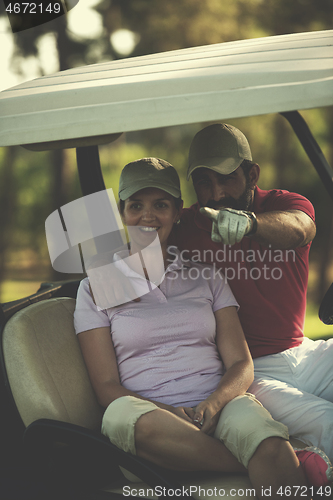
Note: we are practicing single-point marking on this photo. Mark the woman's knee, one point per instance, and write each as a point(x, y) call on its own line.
point(115, 415)
point(120, 419)
point(244, 424)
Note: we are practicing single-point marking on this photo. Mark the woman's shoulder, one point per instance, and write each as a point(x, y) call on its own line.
point(84, 284)
point(208, 269)
point(84, 291)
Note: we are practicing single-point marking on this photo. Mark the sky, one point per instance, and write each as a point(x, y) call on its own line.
point(83, 21)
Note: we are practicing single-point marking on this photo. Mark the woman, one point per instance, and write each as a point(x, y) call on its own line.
point(174, 371)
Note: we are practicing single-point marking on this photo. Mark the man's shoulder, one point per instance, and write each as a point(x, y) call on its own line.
point(281, 199)
point(189, 213)
point(264, 196)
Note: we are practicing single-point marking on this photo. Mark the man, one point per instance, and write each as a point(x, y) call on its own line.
point(260, 240)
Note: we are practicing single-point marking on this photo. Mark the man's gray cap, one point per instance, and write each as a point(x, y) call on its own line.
point(220, 147)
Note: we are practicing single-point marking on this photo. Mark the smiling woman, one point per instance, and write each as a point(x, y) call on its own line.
point(154, 208)
point(149, 211)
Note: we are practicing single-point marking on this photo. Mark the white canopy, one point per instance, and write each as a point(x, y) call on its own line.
point(214, 82)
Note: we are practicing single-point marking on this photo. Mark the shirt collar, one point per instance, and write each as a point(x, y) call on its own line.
point(119, 258)
point(178, 262)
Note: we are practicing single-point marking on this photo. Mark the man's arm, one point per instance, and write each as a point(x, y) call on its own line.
point(287, 229)
point(284, 230)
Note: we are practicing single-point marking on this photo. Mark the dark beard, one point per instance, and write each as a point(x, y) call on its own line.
point(241, 203)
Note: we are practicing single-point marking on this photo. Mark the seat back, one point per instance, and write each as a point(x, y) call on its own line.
point(45, 368)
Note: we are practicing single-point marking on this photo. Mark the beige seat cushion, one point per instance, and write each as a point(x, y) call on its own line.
point(47, 375)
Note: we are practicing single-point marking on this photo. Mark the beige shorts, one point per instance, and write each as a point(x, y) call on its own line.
point(244, 423)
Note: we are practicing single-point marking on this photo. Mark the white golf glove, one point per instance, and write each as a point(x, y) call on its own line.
point(229, 225)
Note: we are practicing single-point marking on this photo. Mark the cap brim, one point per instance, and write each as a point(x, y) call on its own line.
point(128, 192)
point(222, 166)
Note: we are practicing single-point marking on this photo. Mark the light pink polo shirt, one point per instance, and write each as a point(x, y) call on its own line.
point(165, 344)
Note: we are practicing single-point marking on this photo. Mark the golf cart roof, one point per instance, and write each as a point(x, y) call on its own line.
point(214, 82)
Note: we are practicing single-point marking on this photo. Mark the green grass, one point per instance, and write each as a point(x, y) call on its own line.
point(314, 328)
point(13, 290)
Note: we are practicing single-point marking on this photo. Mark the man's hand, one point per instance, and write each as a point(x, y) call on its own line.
point(229, 225)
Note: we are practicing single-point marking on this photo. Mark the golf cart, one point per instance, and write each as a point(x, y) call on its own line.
point(49, 410)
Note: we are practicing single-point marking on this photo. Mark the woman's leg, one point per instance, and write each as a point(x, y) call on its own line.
point(275, 469)
point(168, 441)
point(171, 442)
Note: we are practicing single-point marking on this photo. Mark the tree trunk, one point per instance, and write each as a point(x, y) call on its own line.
point(7, 206)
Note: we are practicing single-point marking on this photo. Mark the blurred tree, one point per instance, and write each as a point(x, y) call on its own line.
point(278, 17)
point(70, 51)
point(8, 202)
point(171, 25)
point(165, 26)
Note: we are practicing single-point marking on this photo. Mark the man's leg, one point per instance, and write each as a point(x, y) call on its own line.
point(308, 417)
point(314, 372)
point(296, 387)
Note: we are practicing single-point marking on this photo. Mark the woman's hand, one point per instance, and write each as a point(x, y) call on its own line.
point(183, 412)
point(206, 416)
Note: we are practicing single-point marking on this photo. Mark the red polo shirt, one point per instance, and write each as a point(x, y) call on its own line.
point(270, 285)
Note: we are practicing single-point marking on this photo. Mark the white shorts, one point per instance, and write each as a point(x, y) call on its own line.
point(244, 423)
point(296, 386)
